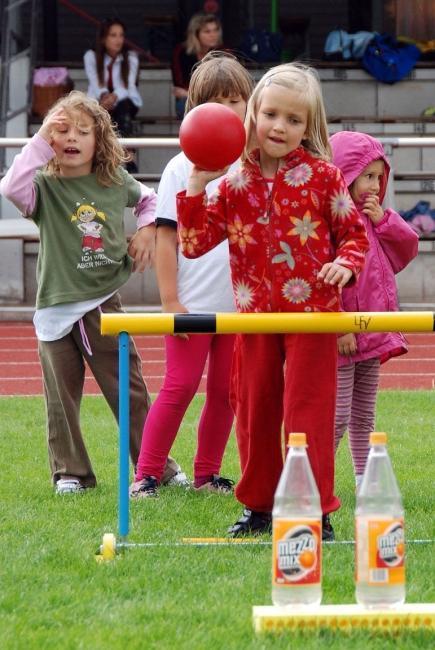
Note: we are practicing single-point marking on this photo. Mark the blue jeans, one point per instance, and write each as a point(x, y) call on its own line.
point(180, 104)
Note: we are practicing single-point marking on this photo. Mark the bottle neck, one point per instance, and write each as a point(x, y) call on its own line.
point(379, 485)
point(378, 450)
point(297, 451)
point(297, 487)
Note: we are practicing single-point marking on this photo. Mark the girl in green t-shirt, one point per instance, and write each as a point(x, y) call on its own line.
point(69, 179)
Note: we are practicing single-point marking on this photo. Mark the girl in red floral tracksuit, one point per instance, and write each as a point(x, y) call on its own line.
point(295, 240)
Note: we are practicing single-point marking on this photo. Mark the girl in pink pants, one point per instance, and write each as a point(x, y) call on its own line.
point(185, 361)
point(202, 285)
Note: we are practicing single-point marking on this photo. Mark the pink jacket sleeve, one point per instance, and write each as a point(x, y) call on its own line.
point(17, 185)
point(399, 242)
point(145, 208)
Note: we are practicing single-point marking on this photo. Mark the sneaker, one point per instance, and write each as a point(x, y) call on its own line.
point(146, 487)
point(178, 480)
point(172, 468)
point(251, 522)
point(69, 486)
point(218, 484)
point(328, 534)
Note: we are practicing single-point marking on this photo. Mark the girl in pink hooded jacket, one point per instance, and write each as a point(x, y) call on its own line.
point(393, 244)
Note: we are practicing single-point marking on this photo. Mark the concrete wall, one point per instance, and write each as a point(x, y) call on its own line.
point(359, 96)
point(416, 283)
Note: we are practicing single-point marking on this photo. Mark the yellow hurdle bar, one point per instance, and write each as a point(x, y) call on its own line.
point(275, 323)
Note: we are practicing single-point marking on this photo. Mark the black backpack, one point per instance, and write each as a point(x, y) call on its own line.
point(261, 46)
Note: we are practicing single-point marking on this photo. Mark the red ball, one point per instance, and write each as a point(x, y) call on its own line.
point(212, 136)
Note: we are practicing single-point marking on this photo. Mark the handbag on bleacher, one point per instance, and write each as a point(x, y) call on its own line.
point(389, 60)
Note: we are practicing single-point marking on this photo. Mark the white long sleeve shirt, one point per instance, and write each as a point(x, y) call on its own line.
point(94, 88)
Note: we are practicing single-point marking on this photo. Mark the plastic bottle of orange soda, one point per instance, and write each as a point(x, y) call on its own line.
point(297, 531)
point(380, 545)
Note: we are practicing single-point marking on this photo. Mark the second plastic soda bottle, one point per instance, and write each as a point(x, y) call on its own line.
point(297, 531)
point(380, 546)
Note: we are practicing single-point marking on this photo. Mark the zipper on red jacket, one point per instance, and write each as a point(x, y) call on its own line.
point(269, 204)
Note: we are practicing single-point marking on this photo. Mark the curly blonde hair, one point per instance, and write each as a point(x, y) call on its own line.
point(109, 154)
point(304, 80)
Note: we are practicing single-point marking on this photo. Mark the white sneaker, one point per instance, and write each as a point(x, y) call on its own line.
point(179, 480)
point(69, 486)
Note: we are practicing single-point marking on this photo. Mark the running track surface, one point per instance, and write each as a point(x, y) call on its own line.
point(20, 372)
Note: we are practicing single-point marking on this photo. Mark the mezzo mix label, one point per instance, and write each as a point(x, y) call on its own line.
point(297, 552)
point(380, 551)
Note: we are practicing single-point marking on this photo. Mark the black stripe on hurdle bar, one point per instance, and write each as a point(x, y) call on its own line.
point(195, 323)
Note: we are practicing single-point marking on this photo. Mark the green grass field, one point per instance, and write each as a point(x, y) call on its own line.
point(54, 595)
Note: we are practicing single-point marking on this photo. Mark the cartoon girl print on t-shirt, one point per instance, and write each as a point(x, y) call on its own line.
point(91, 240)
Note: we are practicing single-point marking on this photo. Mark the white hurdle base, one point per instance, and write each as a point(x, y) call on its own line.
point(344, 617)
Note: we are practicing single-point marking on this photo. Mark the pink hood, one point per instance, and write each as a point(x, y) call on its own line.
point(352, 151)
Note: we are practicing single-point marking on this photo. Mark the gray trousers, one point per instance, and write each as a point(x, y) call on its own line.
point(63, 368)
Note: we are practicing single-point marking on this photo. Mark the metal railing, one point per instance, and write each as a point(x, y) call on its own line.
point(137, 143)
point(389, 144)
point(150, 142)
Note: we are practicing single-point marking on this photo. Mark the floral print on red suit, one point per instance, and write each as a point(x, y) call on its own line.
point(278, 240)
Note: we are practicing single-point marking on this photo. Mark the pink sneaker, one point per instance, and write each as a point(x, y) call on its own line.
point(145, 488)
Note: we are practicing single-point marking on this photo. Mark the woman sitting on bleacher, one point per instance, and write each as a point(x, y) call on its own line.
point(112, 71)
point(204, 33)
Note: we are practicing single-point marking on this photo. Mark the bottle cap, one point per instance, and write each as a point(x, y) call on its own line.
point(378, 438)
point(297, 440)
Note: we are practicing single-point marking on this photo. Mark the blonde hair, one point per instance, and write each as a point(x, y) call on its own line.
point(109, 154)
point(218, 73)
point(196, 23)
point(303, 80)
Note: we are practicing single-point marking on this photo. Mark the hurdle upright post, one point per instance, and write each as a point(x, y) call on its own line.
point(124, 431)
